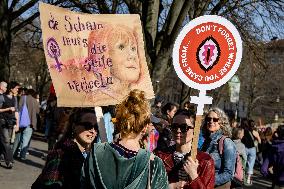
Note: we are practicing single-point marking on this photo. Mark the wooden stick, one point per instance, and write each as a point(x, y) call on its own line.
point(101, 123)
point(195, 139)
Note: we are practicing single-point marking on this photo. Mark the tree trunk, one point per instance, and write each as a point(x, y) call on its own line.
point(159, 71)
point(5, 42)
point(184, 94)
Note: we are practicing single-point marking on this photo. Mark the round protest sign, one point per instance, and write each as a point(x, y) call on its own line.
point(207, 52)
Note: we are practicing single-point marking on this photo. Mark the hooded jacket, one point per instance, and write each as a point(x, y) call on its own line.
point(105, 168)
point(276, 159)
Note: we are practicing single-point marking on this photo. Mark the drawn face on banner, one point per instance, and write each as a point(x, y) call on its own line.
point(123, 51)
point(120, 46)
point(207, 52)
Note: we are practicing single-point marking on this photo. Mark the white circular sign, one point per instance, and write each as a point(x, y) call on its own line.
point(207, 52)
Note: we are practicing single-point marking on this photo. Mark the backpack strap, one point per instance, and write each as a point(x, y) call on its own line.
point(221, 144)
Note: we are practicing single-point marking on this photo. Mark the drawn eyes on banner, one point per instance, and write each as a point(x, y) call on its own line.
point(121, 47)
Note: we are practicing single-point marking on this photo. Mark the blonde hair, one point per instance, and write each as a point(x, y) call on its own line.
point(133, 114)
point(223, 121)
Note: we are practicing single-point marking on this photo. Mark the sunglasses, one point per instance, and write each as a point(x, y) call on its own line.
point(208, 119)
point(88, 125)
point(183, 127)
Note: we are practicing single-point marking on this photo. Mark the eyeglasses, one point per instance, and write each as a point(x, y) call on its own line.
point(88, 125)
point(208, 119)
point(183, 127)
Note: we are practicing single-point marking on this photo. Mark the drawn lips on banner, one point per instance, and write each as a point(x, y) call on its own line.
point(208, 53)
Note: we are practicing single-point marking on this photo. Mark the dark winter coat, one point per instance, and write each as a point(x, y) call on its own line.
point(276, 159)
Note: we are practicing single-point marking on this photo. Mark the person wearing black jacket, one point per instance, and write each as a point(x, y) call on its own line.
point(9, 121)
point(250, 136)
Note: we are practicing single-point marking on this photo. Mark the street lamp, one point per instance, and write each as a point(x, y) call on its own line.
point(234, 87)
point(276, 117)
point(278, 99)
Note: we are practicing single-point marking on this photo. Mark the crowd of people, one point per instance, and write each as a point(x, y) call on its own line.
point(143, 146)
point(19, 108)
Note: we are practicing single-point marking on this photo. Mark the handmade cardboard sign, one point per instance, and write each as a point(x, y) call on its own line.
point(96, 59)
point(206, 54)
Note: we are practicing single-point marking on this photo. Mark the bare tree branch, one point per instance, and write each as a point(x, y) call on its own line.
point(179, 22)
point(81, 6)
point(114, 6)
point(24, 23)
point(13, 4)
point(103, 7)
point(134, 6)
point(150, 20)
point(218, 7)
point(23, 9)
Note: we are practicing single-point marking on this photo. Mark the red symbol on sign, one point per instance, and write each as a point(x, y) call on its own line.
point(208, 54)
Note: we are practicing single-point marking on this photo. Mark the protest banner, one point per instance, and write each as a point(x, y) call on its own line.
point(206, 54)
point(93, 59)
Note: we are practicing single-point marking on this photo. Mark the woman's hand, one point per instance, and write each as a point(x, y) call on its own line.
point(190, 168)
point(16, 128)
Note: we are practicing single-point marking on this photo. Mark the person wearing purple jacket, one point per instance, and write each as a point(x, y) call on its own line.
point(275, 160)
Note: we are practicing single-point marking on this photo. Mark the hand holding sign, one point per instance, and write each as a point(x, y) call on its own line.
point(206, 54)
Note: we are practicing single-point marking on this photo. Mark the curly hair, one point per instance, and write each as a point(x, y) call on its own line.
point(133, 114)
point(223, 121)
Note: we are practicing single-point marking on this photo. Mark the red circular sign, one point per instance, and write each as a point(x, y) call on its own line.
point(209, 53)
